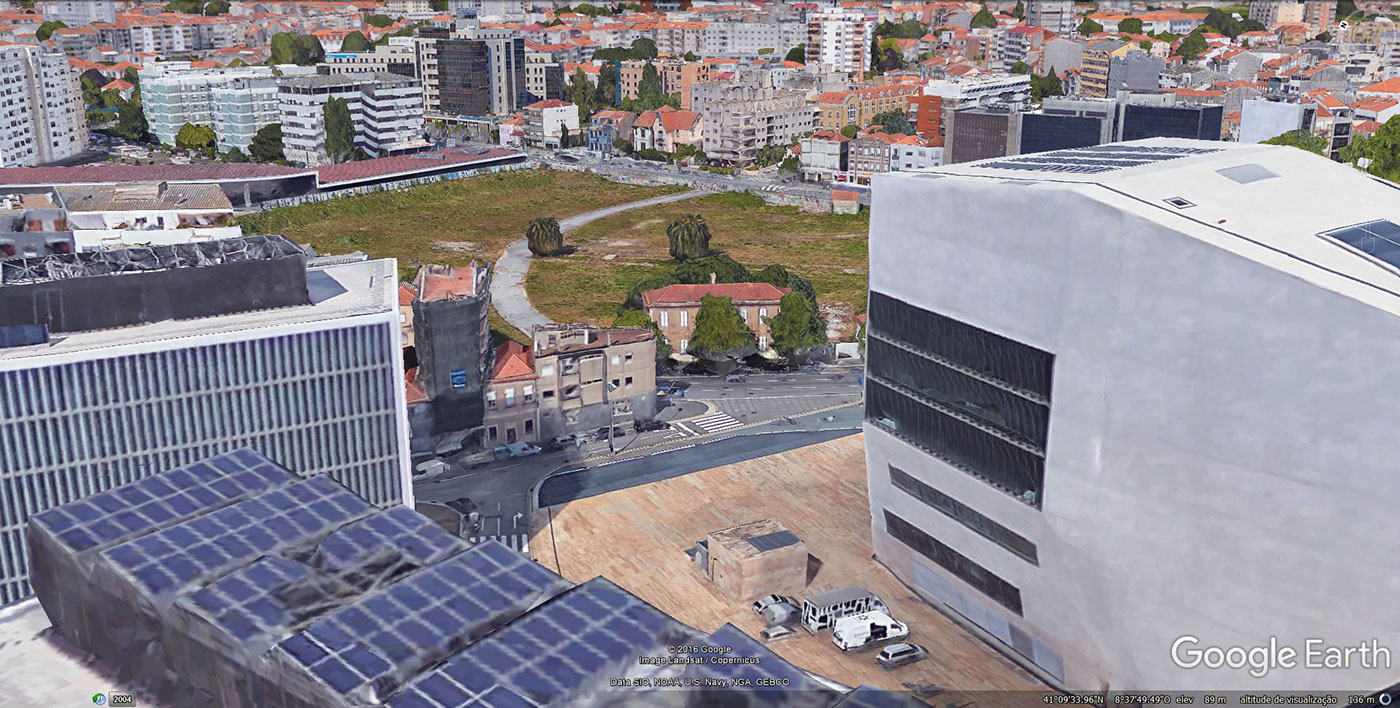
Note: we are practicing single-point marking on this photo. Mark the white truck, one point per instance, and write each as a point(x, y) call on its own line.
point(862, 630)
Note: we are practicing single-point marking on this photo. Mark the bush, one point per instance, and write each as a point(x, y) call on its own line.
point(696, 271)
point(689, 236)
point(544, 236)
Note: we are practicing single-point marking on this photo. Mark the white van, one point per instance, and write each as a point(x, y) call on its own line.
point(868, 628)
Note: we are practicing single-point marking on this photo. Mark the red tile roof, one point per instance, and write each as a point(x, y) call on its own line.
point(844, 195)
point(513, 361)
point(691, 294)
point(406, 164)
point(407, 294)
point(412, 393)
point(549, 103)
point(1387, 86)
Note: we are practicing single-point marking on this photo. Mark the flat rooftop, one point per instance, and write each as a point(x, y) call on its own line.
point(1270, 204)
point(337, 291)
point(637, 538)
point(39, 668)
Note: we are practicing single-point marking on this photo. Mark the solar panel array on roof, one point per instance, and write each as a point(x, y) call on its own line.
point(385, 638)
point(768, 666)
point(162, 500)
point(1096, 159)
point(775, 540)
point(160, 563)
point(593, 630)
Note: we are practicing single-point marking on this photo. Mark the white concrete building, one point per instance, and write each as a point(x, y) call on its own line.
point(1117, 415)
point(744, 39)
point(546, 121)
point(386, 109)
point(107, 216)
point(317, 386)
point(76, 13)
point(1054, 15)
point(839, 40)
point(973, 89)
point(41, 107)
point(234, 102)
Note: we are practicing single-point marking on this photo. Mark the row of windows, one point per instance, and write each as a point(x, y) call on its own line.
point(992, 355)
point(964, 514)
point(964, 568)
point(985, 455)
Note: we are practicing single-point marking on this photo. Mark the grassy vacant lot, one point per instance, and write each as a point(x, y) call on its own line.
point(828, 249)
point(446, 222)
point(450, 222)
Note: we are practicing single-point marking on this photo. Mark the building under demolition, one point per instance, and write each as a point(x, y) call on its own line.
point(236, 582)
point(455, 357)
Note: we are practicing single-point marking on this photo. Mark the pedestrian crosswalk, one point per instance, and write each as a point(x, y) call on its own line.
point(709, 424)
point(516, 541)
point(771, 188)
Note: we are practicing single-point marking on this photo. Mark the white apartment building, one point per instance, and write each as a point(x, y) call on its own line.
point(974, 89)
point(546, 121)
point(1132, 404)
point(744, 116)
point(234, 102)
point(839, 40)
point(744, 39)
point(1054, 15)
point(76, 13)
point(397, 57)
point(41, 107)
point(386, 109)
point(163, 35)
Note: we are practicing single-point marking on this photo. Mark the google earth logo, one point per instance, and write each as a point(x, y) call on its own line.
point(99, 699)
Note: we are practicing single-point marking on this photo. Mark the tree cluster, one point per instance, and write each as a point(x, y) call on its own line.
point(267, 144)
point(1226, 24)
point(198, 7)
point(1192, 45)
point(195, 137)
point(356, 42)
point(1049, 85)
point(1301, 139)
point(908, 29)
point(983, 19)
point(797, 54)
point(894, 122)
point(340, 130)
point(299, 49)
point(1382, 150)
point(642, 49)
point(46, 29)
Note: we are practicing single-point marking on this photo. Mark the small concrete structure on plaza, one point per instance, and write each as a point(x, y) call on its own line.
point(755, 559)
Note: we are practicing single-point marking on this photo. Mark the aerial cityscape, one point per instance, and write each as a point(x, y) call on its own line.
point(824, 353)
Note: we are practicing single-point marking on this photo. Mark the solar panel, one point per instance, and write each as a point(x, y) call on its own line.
point(391, 634)
point(775, 540)
point(155, 502)
point(1378, 239)
point(871, 697)
point(768, 666)
point(1095, 159)
point(558, 647)
point(233, 535)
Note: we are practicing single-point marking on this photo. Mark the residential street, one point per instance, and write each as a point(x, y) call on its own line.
point(713, 420)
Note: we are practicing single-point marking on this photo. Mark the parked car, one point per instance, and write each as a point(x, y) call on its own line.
point(519, 449)
point(570, 440)
point(901, 654)
point(643, 426)
point(734, 378)
point(429, 469)
point(777, 633)
point(859, 631)
point(766, 600)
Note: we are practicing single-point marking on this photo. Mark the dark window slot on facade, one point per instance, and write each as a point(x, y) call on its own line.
point(965, 515)
point(964, 568)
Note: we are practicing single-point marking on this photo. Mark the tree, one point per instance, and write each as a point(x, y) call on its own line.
point(195, 137)
point(378, 21)
point(1301, 139)
point(1019, 12)
point(235, 155)
point(797, 54)
point(1020, 67)
point(132, 77)
point(649, 88)
point(719, 330)
point(623, 145)
point(439, 5)
point(581, 91)
point(300, 49)
point(1325, 37)
point(796, 325)
point(1381, 149)
point(340, 130)
point(1191, 46)
point(217, 7)
point(697, 271)
point(91, 94)
point(1042, 86)
point(267, 144)
point(187, 7)
point(691, 56)
point(356, 42)
point(46, 29)
point(983, 19)
point(131, 122)
point(1130, 25)
point(770, 155)
point(784, 278)
point(544, 237)
point(790, 166)
point(1088, 27)
point(643, 48)
point(894, 122)
point(689, 236)
point(633, 301)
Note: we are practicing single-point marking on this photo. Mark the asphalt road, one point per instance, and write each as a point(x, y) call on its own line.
point(508, 294)
point(571, 486)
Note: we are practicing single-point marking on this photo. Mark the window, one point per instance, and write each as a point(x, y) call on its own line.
point(616, 360)
point(510, 397)
point(685, 345)
point(529, 427)
point(547, 396)
point(627, 382)
point(490, 399)
point(666, 318)
point(529, 393)
point(762, 312)
point(685, 318)
point(627, 357)
point(491, 433)
point(744, 313)
point(964, 514)
point(547, 371)
point(763, 343)
point(986, 582)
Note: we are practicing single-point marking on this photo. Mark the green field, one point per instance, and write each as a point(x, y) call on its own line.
point(450, 222)
point(830, 250)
